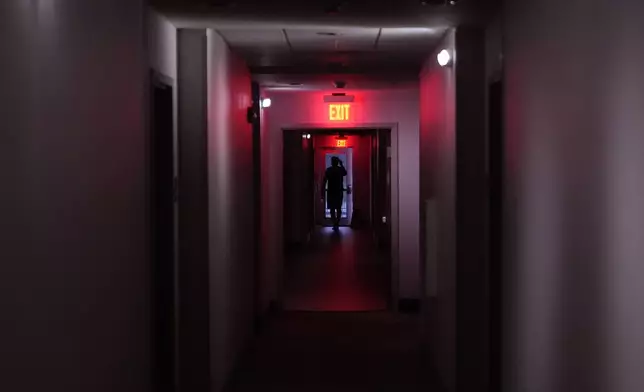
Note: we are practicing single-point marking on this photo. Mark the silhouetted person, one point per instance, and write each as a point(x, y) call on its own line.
point(334, 178)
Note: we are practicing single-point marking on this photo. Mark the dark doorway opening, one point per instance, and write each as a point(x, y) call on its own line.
point(496, 163)
point(163, 232)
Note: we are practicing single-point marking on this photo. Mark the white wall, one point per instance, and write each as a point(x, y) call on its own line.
point(575, 129)
point(162, 52)
point(438, 183)
point(231, 216)
point(162, 44)
point(75, 273)
point(382, 106)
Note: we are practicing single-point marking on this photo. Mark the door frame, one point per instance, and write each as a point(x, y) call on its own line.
point(394, 197)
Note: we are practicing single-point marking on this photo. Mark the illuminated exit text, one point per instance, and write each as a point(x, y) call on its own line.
point(339, 112)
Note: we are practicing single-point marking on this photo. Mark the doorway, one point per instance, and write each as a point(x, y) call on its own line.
point(163, 231)
point(323, 158)
point(349, 269)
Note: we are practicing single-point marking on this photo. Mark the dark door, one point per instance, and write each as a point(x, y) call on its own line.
point(163, 228)
point(381, 175)
point(496, 183)
point(298, 187)
point(309, 185)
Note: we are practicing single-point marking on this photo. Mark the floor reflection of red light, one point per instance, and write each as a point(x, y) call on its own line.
point(337, 272)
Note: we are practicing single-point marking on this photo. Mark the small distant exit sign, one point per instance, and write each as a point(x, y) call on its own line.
point(341, 143)
point(339, 112)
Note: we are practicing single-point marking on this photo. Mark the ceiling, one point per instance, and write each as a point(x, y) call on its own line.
point(307, 44)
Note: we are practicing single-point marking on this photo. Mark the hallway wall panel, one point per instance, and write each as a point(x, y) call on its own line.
point(575, 188)
point(453, 177)
point(74, 269)
point(193, 267)
point(231, 204)
point(438, 182)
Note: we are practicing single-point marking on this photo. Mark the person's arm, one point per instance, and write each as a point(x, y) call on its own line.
point(344, 171)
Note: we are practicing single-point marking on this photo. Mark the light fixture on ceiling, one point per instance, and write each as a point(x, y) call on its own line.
point(327, 34)
point(265, 103)
point(306, 136)
point(443, 58)
point(340, 84)
point(295, 84)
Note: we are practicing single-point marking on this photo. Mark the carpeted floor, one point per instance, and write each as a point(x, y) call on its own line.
point(336, 352)
point(337, 272)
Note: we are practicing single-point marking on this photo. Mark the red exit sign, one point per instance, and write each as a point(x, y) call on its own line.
point(339, 112)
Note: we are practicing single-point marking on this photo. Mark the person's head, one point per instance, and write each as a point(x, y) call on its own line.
point(335, 161)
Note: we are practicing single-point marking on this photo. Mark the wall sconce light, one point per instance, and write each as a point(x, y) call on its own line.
point(265, 103)
point(443, 58)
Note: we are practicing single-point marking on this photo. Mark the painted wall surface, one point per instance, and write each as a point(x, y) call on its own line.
point(453, 175)
point(575, 186)
point(75, 273)
point(471, 210)
point(162, 44)
point(192, 271)
point(383, 106)
point(438, 182)
point(231, 217)
point(162, 50)
point(268, 265)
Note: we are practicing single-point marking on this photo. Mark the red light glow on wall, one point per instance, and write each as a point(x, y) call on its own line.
point(339, 112)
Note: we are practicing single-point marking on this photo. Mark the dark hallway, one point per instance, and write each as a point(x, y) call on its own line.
point(166, 187)
point(339, 352)
point(340, 271)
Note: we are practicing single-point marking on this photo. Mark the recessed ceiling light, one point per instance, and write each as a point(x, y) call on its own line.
point(328, 34)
